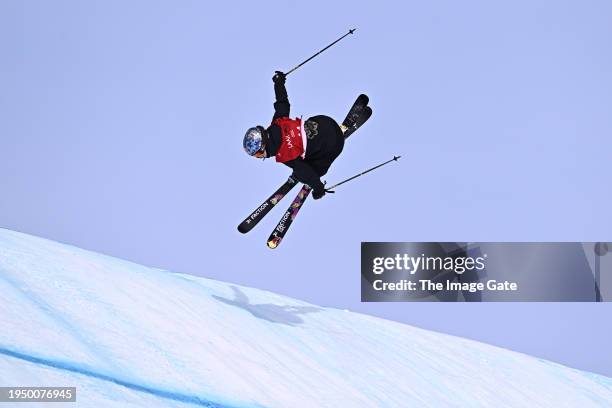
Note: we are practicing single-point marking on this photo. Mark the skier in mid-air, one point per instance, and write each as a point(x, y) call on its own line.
point(309, 147)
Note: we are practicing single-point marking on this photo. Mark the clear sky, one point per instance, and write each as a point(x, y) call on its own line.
point(121, 126)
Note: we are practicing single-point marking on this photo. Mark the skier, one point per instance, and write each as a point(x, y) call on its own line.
point(309, 147)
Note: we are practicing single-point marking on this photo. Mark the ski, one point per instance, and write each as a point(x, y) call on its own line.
point(365, 115)
point(285, 222)
point(359, 113)
point(256, 216)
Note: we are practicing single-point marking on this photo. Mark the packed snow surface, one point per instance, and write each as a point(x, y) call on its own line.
point(127, 335)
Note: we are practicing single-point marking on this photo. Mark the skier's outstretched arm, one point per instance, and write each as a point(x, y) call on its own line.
point(304, 173)
point(281, 106)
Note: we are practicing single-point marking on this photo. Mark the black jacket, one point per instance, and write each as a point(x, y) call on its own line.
point(325, 143)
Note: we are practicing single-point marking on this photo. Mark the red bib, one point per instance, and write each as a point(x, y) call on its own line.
point(292, 145)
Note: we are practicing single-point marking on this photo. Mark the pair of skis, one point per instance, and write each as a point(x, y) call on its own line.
point(285, 222)
point(359, 113)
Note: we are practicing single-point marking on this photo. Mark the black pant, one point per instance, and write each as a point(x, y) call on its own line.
point(325, 143)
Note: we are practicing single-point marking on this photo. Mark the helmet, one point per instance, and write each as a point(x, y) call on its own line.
point(254, 142)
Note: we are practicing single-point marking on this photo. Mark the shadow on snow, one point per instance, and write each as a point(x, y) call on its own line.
point(289, 315)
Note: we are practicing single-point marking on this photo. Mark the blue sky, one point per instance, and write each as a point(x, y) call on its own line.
point(122, 123)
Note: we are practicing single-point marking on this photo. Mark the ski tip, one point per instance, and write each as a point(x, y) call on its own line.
point(274, 241)
point(243, 229)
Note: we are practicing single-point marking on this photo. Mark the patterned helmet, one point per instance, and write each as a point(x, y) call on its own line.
point(254, 141)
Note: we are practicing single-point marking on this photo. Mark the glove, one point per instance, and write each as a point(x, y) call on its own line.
point(318, 193)
point(279, 78)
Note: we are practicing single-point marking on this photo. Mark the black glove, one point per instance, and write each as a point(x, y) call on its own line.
point(279, 78)
point(318, 193)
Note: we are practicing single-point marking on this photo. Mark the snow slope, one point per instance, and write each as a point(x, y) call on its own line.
point(131, 336)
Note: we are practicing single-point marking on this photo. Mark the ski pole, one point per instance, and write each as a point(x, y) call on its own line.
point(351, 31)
point(601, 249)
point(395, 158)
